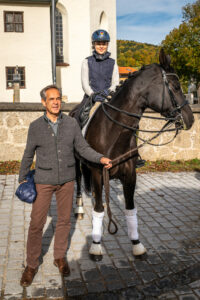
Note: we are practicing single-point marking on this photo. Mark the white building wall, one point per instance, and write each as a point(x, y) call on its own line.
point(78, 47)
point(108, 22)
point(30, 49)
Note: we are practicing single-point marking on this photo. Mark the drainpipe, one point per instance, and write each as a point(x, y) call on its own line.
point(53, 40)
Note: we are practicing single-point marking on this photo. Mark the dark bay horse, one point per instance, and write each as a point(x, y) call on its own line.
point(155, 86)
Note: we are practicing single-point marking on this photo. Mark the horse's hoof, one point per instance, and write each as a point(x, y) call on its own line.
point(79, 216)
point(96, 258)
point(139, 249)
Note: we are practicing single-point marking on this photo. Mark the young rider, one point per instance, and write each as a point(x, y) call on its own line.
point(99, 75)
point(99, 72)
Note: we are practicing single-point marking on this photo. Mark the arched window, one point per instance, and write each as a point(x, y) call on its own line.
point(59, 37)
point(103, 21)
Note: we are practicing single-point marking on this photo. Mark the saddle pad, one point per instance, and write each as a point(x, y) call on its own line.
point(91, 114)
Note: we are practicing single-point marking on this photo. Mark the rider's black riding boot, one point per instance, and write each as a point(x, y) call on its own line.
point(140, 162)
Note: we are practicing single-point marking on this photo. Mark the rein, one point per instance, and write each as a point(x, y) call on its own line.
point(120, 159)
point(129, 154)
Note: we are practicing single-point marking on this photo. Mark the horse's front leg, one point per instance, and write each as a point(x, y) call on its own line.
point(96, 253)
point(79, 211)
point(131, 214)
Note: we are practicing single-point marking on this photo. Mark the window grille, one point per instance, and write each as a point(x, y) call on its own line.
point(9, 77)
point(13, 21)
point(59, 37)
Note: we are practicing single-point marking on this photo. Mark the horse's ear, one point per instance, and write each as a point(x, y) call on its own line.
point(164, 59)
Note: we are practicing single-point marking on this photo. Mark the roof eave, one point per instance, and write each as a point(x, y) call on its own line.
point(26, 2)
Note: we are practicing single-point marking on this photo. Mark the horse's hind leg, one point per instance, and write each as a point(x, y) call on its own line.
point(131, 216)
point(95, 251)
point(79, 211)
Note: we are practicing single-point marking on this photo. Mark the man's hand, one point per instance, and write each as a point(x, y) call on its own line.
point(107, 162)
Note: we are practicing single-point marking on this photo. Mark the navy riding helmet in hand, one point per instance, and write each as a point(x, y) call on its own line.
point(26, 191)
point(100, 35)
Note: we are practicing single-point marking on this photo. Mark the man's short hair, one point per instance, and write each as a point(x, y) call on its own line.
point(48, 87)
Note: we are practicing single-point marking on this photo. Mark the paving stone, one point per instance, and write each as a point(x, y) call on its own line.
point(147, 276)
point(86, 264)
point(166, 296)
point(92, 275)
point(76, 291)
point(35, 291)
point(121, 263)
point(188, 297)
point(96, 287)
point(13, 288)
point(197, 292)
point(114, 285)
point(53, 281)
point(54, 293)
point(129, 277)
point(168, 228)
point(195, 284)
point(12, 275)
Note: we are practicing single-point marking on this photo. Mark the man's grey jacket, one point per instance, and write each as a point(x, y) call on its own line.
point(55, 161)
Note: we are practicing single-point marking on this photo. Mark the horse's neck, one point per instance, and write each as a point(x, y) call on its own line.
point(130, 101)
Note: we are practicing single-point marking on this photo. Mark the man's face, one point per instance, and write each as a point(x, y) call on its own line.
point(52, 102)
point(101, 47)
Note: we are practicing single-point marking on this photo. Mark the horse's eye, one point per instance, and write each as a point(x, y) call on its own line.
point(176, 87)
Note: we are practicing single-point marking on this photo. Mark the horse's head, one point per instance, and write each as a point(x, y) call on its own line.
point(166, 95)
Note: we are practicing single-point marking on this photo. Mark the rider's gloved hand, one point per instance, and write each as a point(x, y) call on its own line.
point(100, 96)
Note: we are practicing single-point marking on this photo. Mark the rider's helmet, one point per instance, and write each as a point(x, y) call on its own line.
point(100, 35)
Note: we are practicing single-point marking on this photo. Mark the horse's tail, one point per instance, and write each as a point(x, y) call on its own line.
point(87, 177)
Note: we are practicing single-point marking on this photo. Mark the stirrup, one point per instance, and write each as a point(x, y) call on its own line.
point(140, 163)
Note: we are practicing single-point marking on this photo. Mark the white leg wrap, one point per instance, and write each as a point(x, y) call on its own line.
point(132, 223)
point(97, 220)
point(96, 249)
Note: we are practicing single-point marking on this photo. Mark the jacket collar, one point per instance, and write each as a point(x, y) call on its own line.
point(101, 56)
point(58, 119)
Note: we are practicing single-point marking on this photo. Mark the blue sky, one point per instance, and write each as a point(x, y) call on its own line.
point(148, 21)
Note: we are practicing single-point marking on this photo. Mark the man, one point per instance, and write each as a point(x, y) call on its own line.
point(53, 137)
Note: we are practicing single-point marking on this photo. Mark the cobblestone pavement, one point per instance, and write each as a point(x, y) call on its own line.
point(168, 211)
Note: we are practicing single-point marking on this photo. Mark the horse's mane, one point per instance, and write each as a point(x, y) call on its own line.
point(131, 75)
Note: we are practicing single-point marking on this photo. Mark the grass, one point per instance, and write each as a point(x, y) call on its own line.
point(171, 166)
point(12, 167)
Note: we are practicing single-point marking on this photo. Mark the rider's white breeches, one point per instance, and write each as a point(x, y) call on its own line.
point(132, 223)
point(97, 221)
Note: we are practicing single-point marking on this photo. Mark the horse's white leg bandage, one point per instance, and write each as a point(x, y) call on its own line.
point(132, 223)
point(97, 220)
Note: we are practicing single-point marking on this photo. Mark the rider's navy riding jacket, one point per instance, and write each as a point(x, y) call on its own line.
point(100, 71)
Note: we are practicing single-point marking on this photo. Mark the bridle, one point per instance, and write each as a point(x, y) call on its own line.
point(171, 118)
point(177, 107)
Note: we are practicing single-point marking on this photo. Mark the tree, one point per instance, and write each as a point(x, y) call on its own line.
point(183, 44)
point(135, 54)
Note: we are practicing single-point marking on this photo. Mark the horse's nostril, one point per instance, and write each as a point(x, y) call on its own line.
point(179, 124)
